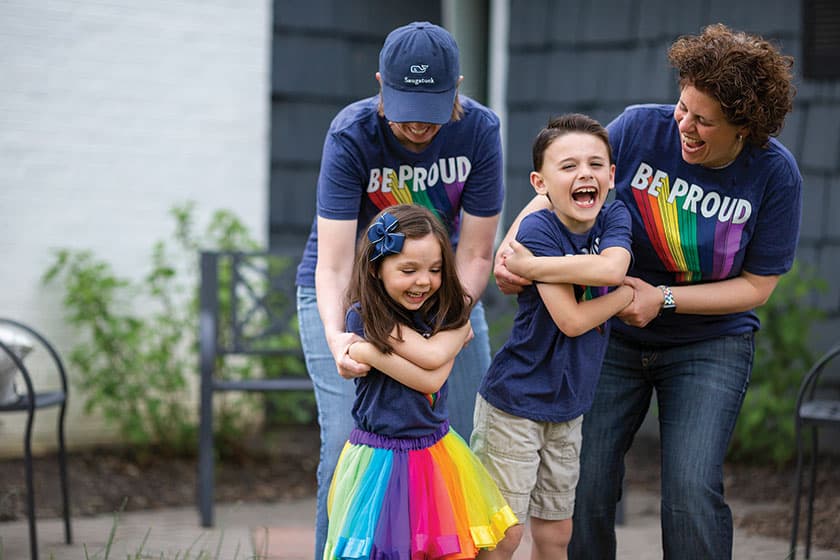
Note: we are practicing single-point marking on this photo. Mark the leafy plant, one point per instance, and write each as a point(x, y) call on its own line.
point(139, 338)
point(765, 428)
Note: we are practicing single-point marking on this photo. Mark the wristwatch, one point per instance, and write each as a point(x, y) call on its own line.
point(669, 304)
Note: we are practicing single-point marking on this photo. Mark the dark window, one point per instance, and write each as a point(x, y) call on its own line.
point(821, 39)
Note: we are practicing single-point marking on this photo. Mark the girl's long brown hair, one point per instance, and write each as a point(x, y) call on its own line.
point(448, 308)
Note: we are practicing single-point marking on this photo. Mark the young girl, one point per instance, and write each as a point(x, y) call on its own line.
point(406, 484)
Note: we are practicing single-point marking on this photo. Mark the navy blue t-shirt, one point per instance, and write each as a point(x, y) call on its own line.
point(540, 373)
point(364, 169)
point(385, 406)
point(693, 224)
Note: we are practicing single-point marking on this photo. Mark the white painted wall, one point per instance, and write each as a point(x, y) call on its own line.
point(111, 112)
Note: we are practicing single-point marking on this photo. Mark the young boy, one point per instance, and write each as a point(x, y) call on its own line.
point(531, 402)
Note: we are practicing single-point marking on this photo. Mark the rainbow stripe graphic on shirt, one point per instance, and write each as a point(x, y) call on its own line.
point(437, 187)
point(591, 292)
point(670, 217)
point(433, 398)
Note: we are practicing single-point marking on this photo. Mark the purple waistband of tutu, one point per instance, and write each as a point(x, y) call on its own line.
point(361, 437)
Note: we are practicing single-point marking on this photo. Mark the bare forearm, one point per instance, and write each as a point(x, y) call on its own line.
point(474, 274)
point(579, 318)
point(744, 293)
point(605, 269)
point(330, 304)
point(432, 352)
point(402, 370)
point(332, 275)
point(474, 256)
point(333, 271)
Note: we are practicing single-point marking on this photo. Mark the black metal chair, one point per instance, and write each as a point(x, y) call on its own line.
point(29, 402)
point(812, 411)
point(259, 305)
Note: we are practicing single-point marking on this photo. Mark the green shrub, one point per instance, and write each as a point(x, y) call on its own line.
point(139, 338)
point(765, 429)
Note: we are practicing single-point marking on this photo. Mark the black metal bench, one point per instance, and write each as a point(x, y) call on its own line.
point(29, 401)
point(247, 308)
point(817, 406)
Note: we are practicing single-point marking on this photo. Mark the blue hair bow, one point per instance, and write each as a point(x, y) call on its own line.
point(383, 237)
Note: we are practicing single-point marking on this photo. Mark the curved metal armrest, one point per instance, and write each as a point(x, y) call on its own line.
point(30, 388)
point(811, 379)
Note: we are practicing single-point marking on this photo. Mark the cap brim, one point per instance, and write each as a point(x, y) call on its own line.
point(416, 106)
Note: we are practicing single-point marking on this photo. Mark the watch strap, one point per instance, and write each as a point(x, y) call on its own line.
point(669, 304)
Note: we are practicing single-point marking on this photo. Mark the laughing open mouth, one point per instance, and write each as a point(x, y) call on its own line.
point(418, 130)
point(692, 145)
point(585, 196)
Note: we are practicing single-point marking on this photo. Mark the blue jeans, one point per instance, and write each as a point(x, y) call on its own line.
point(334, 395)
point(700, 388)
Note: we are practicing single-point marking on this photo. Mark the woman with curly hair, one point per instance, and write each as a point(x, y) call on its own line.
point(715, 203)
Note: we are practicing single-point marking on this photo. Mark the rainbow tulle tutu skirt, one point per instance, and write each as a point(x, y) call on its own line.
point(410, 498)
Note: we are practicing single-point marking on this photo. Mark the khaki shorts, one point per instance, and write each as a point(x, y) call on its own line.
point(535, 464)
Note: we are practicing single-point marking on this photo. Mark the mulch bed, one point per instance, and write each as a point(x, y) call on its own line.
point(282, 465)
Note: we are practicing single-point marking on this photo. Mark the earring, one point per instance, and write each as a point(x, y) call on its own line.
point(738, 137)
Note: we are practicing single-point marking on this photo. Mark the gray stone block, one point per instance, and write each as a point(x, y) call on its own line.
point(607, 21)
point(832, 189)
point(519, 193)
point(605, 113)
point(565, 21)
point(529, 78)
point(623, 74)
point(292, 199)
point(767, 18)
point(298, 129)
point(363, 62)
point(371, 17)
point(814, 206)
point(822, 91)
point(822, 141)
point(522, 128)
point(571, 77)
point(333, 68)
point(311, 14)
point(829, 269)
point(529, 26)
point(382, 16)
point(807, 255)
point(664, 20)
point(792, 133)
point(307, 64)
point(656, 81)
point(823, 337)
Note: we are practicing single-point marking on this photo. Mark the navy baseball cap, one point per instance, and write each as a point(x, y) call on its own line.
point(419, 68)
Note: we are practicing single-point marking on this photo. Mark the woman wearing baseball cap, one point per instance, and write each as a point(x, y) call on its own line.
point(419, 142)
